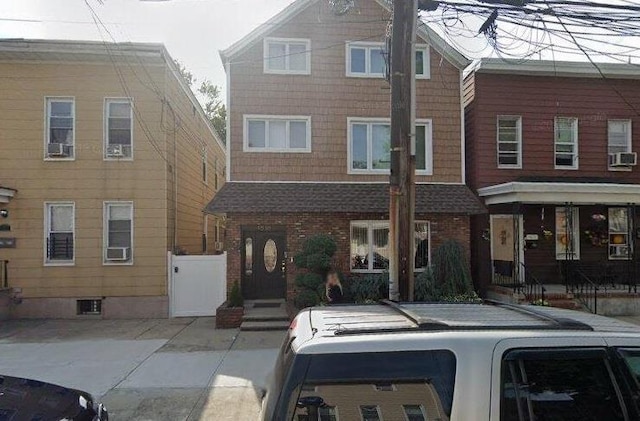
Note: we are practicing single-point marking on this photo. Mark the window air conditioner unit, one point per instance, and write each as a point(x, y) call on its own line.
point(117, 254)
point(116, 151)
point(623, 159)
point(59, 150)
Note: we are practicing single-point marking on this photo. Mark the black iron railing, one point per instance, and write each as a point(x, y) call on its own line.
point(532, 288)
point(4, 274)
point(585, 290)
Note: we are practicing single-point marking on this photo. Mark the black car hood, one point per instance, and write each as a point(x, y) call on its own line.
point(32, 400)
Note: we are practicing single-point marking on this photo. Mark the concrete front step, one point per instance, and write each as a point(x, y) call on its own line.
point(265, 318)
point(261, 326)
point(565, 303)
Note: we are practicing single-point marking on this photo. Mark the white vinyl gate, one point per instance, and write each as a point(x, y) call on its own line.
point(197, 284)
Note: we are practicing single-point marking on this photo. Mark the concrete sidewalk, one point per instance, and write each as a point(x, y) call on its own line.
point(170, 369)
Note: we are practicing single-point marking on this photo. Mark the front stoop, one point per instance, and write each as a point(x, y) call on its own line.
point(265, 315)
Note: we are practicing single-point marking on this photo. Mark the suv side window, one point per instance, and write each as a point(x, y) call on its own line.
point(559, 384)
point(416, 385)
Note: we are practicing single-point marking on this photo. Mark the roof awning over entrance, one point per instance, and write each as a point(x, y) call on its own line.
point(558, 193)
point(338, 198)
point(6, 194)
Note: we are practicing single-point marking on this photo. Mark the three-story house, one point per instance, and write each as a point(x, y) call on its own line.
point(308, 144)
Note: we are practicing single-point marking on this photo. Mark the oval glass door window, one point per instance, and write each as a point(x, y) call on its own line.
point(270, 255)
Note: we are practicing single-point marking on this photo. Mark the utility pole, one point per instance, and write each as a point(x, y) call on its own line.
point(402, 179)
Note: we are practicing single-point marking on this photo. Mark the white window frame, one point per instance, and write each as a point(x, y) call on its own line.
point(378, 223)
point(575, 122)
point(47, 122)
point(518, 139)
point(47, 227)
point(204, 167)
point(427, 122)
point(105, 232)
point(560, 255)
point(105, 129)
point(266, 119)
point(426, 60)
point(627, 235)
point(629, 141)
point(422, 409)
point(378, 410)
point(367, 46)
point(287, 42)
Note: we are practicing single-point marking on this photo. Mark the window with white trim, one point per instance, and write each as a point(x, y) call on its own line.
point(277, 134)
point(566, 143)
point(619, 138)
point(370, 143)
point(567, 233)
point(620, 246)
point(118, 137)
point(414, 413)
point(60, 128)
point(287, 56)
point(370, 246)
point(370, 413)
point(59, 232)
point(423, 62)
point(118, 232)
point(509, 141)
point(204, 165)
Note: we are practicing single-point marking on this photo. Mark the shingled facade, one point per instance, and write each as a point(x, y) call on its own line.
point(308, 144)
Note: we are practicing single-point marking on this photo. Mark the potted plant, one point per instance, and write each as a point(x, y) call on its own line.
point(229, 314)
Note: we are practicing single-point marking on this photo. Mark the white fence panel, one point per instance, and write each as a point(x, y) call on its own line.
point(197, 284)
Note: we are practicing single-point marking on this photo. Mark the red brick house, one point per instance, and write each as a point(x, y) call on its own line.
point(551, 151)
point(308, 144)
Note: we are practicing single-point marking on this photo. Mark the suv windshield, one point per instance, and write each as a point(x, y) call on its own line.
point(376, 386)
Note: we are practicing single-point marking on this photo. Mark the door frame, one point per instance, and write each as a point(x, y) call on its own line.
point(245, 231)
point(517, 270)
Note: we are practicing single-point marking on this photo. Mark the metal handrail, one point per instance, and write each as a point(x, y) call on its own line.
point(534, 289)
point(586, 291)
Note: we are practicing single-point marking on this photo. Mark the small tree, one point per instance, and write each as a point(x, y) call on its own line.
point(315, 258)
point(448, 278)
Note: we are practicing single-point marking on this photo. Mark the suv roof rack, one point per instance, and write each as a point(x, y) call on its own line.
point(426, 323)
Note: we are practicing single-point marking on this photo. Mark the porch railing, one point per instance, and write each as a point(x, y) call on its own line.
point(533, 289)
point(585, 290)
point(4, 274)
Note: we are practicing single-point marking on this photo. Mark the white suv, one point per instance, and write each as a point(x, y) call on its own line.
point(476, 362)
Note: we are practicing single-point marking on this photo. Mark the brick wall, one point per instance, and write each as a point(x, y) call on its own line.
point(300, 226)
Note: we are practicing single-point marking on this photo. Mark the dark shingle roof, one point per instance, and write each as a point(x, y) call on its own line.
point(335, 197)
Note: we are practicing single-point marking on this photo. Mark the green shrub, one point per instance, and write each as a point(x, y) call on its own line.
point(306, 298)
point(315, 257)
point(235, 296)
point(448, 278)
point(369, 288)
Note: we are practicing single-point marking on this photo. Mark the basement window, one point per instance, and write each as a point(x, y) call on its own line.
point(89, 307)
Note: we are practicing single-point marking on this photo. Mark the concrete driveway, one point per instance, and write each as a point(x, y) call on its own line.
point(170, 369)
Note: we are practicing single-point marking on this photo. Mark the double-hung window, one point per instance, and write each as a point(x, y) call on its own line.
point(287, 56)
point(369, 59)
point(118, 232)
point(414, 412)
point(118, 128)
point(619, 141)
point(566, 143)
point(60, 128)
point(620, 246)
point(370, 246)
point(370, 144)
point(509, 141)
point(277, 134)
point(59, 232)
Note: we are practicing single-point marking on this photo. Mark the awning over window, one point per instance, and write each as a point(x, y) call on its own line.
point(339, 197)
point(559, 192)
point(6, 194)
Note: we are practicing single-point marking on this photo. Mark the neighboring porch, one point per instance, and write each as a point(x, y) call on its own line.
point(564, 242)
